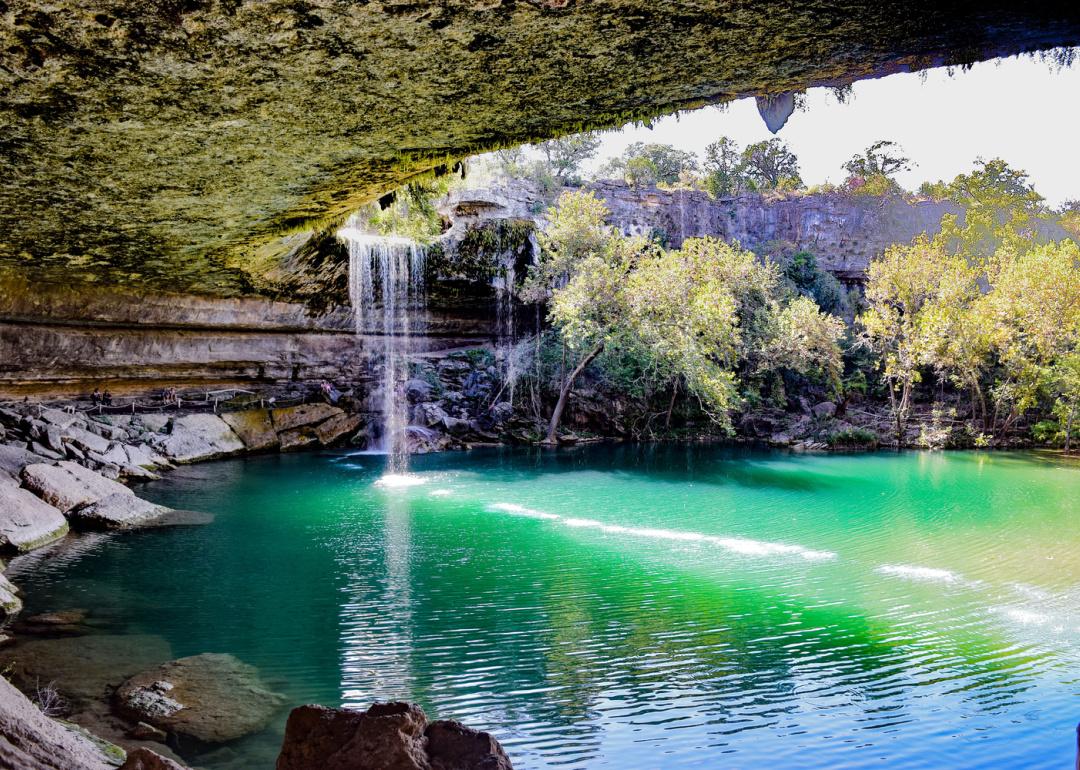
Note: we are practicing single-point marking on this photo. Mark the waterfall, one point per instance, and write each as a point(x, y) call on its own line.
point(392, 269)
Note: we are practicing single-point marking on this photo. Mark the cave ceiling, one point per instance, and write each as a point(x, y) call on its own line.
point(188, 144)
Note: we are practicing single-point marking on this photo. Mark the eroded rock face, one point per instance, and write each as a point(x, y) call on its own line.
point(204, 131)
point(211, 697)
point(388, 736)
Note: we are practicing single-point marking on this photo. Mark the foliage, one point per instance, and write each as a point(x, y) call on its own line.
point(806, 278)
point(412, 212)
point(852, 438)
point(770, 165)
point(1001, 209)
point(563, 157)
point(806, 340)
point(759, 167)
point(644, 164)
point(881, 159)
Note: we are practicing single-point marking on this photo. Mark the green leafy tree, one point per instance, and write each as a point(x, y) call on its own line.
point(644, 164)
point(882, 158)
point(564, 157)
point(903, 289)
point(724, 168)
point(771, 165)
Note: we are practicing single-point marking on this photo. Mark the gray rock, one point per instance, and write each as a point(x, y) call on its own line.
point(68, 485)
point(211, 697)
point(117, 511)
point(824, 409)
point(291, 417)
point(46, 453)
point(155, 423)
point(10, 603)
point(116, 454)
point(13, 459)
point(29, 740)
point(143, 758)
point(254, 427)
point(60, 418)
point(429, 414)
point(418, 390)
point(145, 457)
point(337, 428)
point(26, 522)
point(195, 437)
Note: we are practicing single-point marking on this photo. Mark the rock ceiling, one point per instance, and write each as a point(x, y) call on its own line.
point(174, 142)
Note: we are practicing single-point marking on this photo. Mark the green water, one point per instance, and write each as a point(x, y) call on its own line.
point(632, 607)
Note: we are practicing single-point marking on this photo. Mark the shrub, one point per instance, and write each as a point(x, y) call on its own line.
point(852, 438)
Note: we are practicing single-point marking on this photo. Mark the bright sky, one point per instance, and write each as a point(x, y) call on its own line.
point(1023, 110)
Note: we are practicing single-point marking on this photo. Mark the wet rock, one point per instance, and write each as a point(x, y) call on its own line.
point(68, 485)
point(254, 427)
point(145, 759)
point(195, 437)
point(53, 624)
point(26, 522)
point(418, 390)
point(117, 511)
point(83, 668)
point(10, 603)
point(290, 417)
point(429, 414)
point(337, 428)
point(297, 438)
point(146, 732)
point(211, 697)
point(29, 740)
point(388, 736)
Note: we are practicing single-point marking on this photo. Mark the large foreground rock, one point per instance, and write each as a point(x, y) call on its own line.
point(195, 437)
point(26, 522)
point(29, 740)
point(144, 759)
point(118, 511)
point(211, 697)
point(68, 485)
point(388, 736)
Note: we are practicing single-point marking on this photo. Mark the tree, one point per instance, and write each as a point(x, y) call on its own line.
point(807, 341)
point(771, 165)
point(903, 289)
point(724, 168)
point(1001, 209)
point(643, 164)
point(564, 156)
point(882, 158)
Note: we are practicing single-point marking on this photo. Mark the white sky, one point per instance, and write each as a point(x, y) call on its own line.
point(1023, 110)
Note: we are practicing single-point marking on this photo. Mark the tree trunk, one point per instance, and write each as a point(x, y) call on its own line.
point(671, 405)
point(564, 394)
point(1068, 430)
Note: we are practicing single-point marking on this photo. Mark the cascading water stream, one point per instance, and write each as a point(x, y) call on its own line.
point(394, 267)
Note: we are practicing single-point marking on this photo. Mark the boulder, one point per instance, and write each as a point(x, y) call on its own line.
point(13, 459)
point(297, 438)
point(195, 437)
point(824, 409)
point(417, 390)
point(144, 759)
point(10, 603)
point(26, 522)
point(211, 697)
point(429, 414)
point(254, 427)
point(117, 511)
point(145, 457)
point(68, 485)
point(29, 740)
point(337, 428)
point(388, 736)
point(60, 418)
point(46, 453)
point(60, 623)
point(290, 417)
point(155, 423)
point(85, 440)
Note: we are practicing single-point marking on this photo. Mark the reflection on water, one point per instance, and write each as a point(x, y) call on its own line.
point(629, 607)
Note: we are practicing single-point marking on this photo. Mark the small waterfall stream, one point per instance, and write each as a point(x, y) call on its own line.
point(391, 269)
